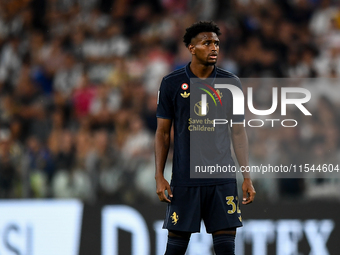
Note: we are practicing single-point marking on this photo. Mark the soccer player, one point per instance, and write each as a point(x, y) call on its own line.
point(190, 199)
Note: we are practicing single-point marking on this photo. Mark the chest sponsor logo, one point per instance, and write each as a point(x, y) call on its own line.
point(198, 109)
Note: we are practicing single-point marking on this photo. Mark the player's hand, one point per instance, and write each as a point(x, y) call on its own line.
point(161, 186)
point(248, 191)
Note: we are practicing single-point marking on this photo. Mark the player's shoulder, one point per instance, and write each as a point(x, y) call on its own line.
point(225, 74)
point(179, 73)
point(221, 73)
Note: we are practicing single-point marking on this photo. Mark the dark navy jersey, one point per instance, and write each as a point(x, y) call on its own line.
point(174, 103)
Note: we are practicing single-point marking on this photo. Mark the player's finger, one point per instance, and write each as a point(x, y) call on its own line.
point(169, 190)
point(165, 199)
point(245, 196)
point(162, 197)
point(160, 194)
point(247, 201)
point(252, 195)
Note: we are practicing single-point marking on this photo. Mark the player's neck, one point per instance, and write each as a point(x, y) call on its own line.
point(200, 70)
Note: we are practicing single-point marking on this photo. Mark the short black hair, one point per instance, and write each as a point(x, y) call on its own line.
point(199, 27)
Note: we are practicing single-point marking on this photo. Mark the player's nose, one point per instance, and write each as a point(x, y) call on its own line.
point(214, 47)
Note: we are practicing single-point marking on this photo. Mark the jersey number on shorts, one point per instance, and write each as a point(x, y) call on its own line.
point(234, 207)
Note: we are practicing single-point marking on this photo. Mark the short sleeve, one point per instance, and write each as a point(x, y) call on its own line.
point(165, 106)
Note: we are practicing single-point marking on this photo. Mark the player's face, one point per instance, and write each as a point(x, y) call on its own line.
point(205, 47)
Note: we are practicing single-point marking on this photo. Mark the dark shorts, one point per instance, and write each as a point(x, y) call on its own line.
point(217, 205)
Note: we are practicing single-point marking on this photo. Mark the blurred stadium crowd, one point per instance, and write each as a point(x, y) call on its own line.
point(79, 82)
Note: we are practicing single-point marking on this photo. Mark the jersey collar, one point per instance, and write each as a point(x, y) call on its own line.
point(191, 75)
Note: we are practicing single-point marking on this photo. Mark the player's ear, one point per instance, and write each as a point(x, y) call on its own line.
point(191, 48)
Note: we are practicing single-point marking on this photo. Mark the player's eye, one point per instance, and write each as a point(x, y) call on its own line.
point(206, 43)
point(217, 43)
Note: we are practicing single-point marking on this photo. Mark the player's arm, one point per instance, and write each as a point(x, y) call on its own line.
point(240, 144)
point(162, 144)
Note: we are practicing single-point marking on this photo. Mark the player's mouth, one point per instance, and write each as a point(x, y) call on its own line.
point(213, 56)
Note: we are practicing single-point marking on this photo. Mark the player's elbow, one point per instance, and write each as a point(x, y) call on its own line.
point(162, 136)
